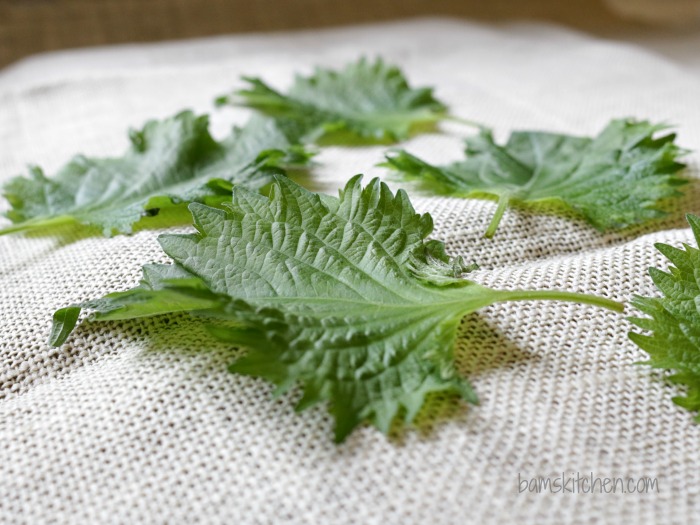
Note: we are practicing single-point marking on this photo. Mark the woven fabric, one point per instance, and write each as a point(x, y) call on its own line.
point(139, 421)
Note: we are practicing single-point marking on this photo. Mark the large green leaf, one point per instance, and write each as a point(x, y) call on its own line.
point(614, 180)
point(169, 162)
point(366, 101)
point(345, 296)
point(674, 322)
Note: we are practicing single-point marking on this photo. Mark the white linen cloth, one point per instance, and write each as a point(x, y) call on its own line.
point(139, 422)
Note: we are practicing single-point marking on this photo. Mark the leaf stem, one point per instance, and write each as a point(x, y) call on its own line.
point(466, 122)
point(554, 295)
point(503, 201)
point(38, 223)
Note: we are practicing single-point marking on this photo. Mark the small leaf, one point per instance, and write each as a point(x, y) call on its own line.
point(169, 162)
point(64, 320)
point(674, 320)
point(614, 180)
point(365, 101)
point(343, 296)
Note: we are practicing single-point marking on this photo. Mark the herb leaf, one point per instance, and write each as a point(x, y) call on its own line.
point(674, 319)
point(365, 101)
point(344, 296)
point(170, 161)
point(614, 180)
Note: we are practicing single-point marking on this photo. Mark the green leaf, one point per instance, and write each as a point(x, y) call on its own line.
point(365, 101)
point(163, 289)
point(613, 180)
point(343, 296)
point(169, 162)
point(674, 319)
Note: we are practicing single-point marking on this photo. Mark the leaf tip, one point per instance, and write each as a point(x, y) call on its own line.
point(64, 320)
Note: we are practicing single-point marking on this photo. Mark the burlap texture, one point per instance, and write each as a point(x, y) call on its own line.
point(139, 422)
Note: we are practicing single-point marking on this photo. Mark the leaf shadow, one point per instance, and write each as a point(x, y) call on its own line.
point(524, 219)
point(343, 137)
point(66, 234)
point(346, 139)
point(175, 336)
point(180, 335)
point(480, 348)
point(62, 236)
point(675, 209)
